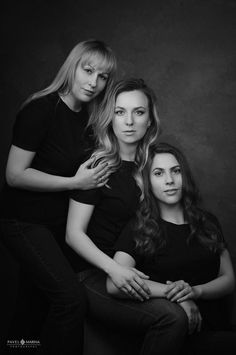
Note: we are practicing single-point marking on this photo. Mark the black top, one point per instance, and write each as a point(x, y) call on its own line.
point(179, 260)
point(59, 137)
point(114, 206)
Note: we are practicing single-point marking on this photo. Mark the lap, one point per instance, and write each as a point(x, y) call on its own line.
point(127, 313)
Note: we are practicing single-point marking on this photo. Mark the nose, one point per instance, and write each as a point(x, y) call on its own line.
point(169, 179)
point(93, 80)
point(129, 119)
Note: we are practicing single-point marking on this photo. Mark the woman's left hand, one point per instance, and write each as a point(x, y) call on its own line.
point(180, 291)
point(130, 281)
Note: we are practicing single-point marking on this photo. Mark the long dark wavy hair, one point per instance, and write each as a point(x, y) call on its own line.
point(149, 233)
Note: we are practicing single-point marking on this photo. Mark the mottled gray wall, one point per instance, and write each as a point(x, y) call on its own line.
point(184, 49)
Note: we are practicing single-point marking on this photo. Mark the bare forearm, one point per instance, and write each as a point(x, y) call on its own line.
point(85, 247)
point(35, 180)
point(216, 288)
point(157, 289)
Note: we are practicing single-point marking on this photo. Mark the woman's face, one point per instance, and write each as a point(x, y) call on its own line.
point(90, 80)
point(166, 179)
point(131, 117)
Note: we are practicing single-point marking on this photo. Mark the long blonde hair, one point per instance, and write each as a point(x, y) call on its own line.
point(83, 52)
point(107, 143)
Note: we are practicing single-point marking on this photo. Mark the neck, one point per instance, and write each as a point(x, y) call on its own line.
point(172, 213)
point(128, 152)
point(71, 102)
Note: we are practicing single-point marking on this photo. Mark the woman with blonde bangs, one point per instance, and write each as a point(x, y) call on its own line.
point(52, 139)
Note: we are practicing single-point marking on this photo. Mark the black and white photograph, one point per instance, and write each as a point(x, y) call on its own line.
point(118, 177)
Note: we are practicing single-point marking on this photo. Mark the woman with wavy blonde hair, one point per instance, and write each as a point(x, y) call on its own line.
point(127, 125)
point(51, 141)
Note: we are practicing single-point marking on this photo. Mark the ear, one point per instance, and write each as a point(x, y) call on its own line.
point(149, 123)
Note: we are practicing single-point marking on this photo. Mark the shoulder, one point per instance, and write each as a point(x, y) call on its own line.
point(46, 103)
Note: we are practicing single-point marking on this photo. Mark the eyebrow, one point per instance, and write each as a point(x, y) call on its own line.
point(135, 108)
point(173, 167)
point(106, 73)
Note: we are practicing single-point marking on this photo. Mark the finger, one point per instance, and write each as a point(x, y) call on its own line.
point(192, 325)
point(183, 293)
point(102, 183)
point(105, 172)
point(185, 298)
point(199, 326)
point(142, 284)
point(170, 287)
point(173, 292)
point(134, 294)
point(168, 282)
point(88, 162)
point(100, 167)
point(141, 290)
point(140, 273)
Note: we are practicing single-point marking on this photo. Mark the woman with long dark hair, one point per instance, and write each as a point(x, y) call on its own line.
point(181, 247)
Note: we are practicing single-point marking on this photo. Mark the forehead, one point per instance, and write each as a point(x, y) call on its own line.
point(97, 61)
point(134, 98)
point(164, 161)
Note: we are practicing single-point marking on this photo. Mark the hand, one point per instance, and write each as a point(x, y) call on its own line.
point(193, 314)
point(89, 178)
point(180, 291)
point(130, 281)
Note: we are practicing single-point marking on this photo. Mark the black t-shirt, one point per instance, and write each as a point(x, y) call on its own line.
point(179, 260)
point(61, 141)
point(114, 206)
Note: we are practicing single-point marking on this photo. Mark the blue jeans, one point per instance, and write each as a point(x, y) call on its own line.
point(163, 323)
point(42, 260)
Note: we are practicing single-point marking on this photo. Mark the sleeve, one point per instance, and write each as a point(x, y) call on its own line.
point(32, 123)
point(89, 197)
point(219, 232)
point(126, 242)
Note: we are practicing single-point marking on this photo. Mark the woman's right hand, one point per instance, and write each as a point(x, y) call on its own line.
point(193, 314)
point(89, 178)
point(130, 281)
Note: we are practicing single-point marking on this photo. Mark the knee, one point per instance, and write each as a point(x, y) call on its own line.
point(171, 315)
point(71, 300)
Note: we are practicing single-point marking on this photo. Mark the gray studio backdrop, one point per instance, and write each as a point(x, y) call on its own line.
point(186, 50)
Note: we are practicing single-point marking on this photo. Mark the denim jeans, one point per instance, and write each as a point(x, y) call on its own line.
point(42, 260)
point(163, 323)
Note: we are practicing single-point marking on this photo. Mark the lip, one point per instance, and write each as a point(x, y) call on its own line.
point(89, 92)
point(171, 191)
point(129, 132)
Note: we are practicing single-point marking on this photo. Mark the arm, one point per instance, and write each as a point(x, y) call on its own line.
point(76, 236)
point(222, 285)
point(156, 289)
point(19, 174)
point(217, 288)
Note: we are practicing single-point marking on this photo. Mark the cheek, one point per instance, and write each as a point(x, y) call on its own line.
point(115, 126)
point(101, 86)
point(156, 188)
